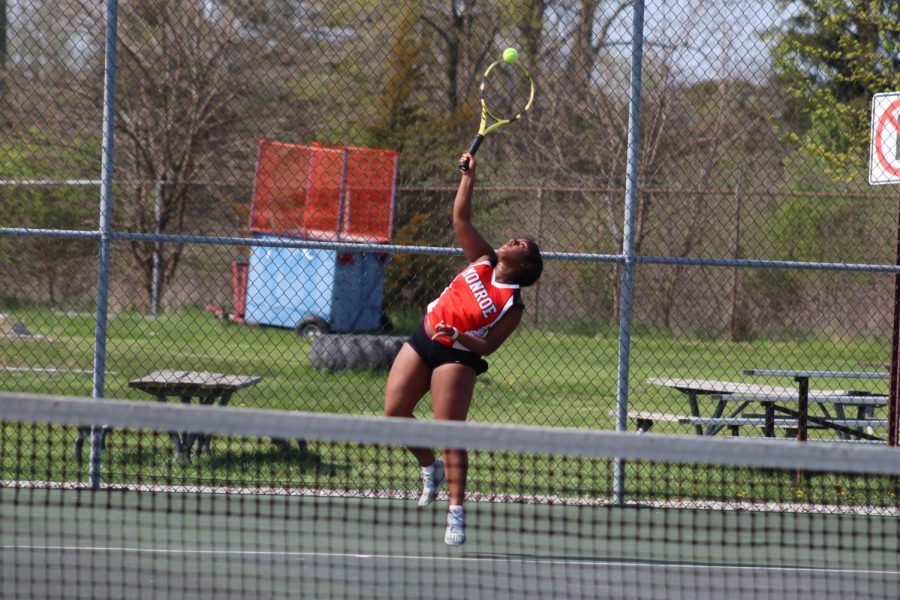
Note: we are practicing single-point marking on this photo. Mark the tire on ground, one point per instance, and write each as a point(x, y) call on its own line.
point(337, 352)
point(310, 326)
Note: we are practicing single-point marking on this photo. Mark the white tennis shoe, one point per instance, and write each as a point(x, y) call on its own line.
point(432, 483)
point(456, 530)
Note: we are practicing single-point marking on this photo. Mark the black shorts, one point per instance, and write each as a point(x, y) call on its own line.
point(436, 354)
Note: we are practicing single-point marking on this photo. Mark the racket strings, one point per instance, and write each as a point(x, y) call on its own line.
point(506, 91)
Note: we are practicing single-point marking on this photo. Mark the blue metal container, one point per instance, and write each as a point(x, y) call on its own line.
point(313, 290)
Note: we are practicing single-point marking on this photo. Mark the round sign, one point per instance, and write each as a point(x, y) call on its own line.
point(888, 125)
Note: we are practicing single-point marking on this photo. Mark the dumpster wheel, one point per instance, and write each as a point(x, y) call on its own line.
point(310, 326)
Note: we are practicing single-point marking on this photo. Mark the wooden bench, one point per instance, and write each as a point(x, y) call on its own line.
point(789, 424)
point(646, 419)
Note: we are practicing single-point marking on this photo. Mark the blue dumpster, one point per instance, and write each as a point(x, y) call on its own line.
point(315, 290)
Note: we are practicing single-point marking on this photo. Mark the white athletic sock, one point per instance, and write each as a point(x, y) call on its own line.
point(456, 510)
point(429, 470)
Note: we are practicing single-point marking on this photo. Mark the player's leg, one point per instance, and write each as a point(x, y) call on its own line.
point(452, 386)
point(407, 382)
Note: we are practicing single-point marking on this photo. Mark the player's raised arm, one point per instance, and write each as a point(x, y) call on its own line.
point(474, 246)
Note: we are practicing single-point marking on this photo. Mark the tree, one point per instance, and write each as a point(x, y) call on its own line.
point(403, 124)
point(529, 18)
point(186, 76)
point(593, 26)
point(399, 108)
point(52, 266)
point(832, 57)
point(711, 135)
point(467, 32)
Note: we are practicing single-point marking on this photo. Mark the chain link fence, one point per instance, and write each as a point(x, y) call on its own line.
point(756, 242)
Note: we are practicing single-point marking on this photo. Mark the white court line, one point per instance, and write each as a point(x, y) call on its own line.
point(406, 557)
point(534, 499)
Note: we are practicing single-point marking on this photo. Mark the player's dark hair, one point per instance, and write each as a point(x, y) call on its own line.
point(530, 275)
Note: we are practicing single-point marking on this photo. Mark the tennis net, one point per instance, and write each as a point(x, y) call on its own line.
point(329, 509)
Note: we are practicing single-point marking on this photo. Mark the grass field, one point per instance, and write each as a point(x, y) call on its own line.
point(558, 376)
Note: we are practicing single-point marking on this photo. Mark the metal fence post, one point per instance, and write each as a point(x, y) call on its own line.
point(156, 276)
point(3, 53)
point(106, 169)
point(539, 196)
point(893, 391)
point(628, 230)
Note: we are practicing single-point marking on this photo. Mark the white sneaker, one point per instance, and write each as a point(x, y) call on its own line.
point(433, 484)
point(456, 530)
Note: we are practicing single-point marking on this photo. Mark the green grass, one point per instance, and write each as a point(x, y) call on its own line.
point(552, 376)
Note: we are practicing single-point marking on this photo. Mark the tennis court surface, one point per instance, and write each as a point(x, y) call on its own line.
point(693, 518)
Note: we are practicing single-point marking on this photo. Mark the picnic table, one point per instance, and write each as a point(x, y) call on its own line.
point(802, 377)
point(781, 408)
point(188, 387)
point(207, 388)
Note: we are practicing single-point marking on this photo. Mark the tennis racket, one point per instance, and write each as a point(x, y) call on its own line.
point(507, 91)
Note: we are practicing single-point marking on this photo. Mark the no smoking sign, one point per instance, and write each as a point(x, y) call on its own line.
point(884, 147)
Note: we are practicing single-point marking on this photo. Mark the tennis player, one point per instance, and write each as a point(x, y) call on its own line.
point(473, 316)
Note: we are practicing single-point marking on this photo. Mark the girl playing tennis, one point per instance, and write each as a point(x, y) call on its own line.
point(472, 317)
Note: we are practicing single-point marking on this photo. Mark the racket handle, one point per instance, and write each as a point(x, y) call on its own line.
point(464, 164)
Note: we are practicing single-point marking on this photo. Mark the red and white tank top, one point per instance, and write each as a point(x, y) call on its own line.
point(473, 302)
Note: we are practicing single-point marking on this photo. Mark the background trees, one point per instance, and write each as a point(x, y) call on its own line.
point(726, 86)
point(832, 57)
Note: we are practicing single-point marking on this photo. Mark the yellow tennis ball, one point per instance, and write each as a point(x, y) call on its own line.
point(511, 55)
